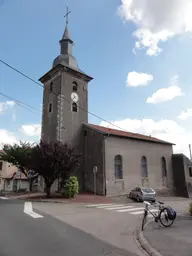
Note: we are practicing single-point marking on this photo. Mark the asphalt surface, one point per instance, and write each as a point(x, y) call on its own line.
point(23, 235)
point(176, 240)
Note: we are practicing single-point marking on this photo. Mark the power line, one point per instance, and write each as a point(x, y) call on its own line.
point(62, 96)
point(20, 103)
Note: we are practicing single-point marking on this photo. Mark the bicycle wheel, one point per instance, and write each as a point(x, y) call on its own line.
point(144, 220)
point(163, 217)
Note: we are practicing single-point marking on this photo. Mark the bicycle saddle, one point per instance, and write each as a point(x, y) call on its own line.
point(160, 202)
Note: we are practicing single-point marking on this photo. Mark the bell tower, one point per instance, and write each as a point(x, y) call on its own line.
point(65, 97)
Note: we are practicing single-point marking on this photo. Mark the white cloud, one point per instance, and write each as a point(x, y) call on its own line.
point(185, 114)
point(166, 94)
point(6, 105)
point(6, 137)
point(167, 130)
point(135, 79)
point(31, 129)
point(156, 21)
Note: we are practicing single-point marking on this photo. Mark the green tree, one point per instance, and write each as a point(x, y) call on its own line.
point(20, 156)
point(53, 161)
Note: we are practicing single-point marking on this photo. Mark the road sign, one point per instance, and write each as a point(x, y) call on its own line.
point(95, 169)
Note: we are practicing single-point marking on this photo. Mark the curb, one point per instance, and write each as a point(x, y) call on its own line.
point(144, 245)
point(41, 201)
point(59, 202)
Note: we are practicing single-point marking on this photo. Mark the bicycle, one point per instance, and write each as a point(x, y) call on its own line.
point(162, 212)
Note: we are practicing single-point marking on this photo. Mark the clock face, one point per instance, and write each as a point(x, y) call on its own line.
point(74, 96)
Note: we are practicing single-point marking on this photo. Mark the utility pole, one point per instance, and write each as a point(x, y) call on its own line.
point(190, 152)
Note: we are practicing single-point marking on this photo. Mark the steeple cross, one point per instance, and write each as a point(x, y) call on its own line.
point(67, 15)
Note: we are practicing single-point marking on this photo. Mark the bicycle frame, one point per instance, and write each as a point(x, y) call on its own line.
point(156, 216)
point(146, 211)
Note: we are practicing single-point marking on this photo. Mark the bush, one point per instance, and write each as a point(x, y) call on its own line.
point(190, 208)
point(71, 187)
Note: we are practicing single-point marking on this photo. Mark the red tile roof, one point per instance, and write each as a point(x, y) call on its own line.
point(130, 135)
point(15, 177)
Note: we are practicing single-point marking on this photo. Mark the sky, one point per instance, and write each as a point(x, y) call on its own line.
point(138, 52)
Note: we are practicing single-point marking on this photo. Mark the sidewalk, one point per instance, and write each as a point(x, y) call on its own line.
point(176, 240)
point(80, 198)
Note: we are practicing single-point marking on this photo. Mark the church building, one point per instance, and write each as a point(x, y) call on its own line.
point(124, 160)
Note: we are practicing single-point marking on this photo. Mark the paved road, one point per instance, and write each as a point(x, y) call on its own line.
point(172, 241)
point(113, 223)
point(35, 233)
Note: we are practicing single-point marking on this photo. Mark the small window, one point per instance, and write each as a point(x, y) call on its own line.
point(190, 171)
point(1, 166)
point(8, 183)
point(50, 107)
point(74, 86)
point(163, 167)
point(74, 107)
point(51, 87)
point(118, 167)
point(144, 169)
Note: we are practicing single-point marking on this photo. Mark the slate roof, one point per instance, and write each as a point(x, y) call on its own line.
point(119, 133)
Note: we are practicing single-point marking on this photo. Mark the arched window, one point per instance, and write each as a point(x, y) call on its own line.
point(118, 167)
point(50, 107)
point(163, 167)
point(1, 166)
point(74, 86)
point(144, 169)
point(74, 107)
point(190, 171)
point(51, 87)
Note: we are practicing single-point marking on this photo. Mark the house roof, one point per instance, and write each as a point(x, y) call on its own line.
point(15, 177)
point(130, 135)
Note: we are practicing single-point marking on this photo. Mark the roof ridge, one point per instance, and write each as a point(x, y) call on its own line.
point(129, 134)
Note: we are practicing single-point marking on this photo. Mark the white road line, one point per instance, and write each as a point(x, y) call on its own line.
point(140, 212)
point(109, 206)
point(129, 210)
point(28, 209)
point(120, 207)
point(3, 197)
point(35, 215)
point(95, 205)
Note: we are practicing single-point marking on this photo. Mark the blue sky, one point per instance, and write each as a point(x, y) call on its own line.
point(30, 34)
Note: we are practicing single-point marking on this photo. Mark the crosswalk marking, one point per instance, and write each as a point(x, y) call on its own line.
point(95, 205)
point(139, 212)
point(3, 197)
point(108, 206)
point(122, 208)
point(129, 210)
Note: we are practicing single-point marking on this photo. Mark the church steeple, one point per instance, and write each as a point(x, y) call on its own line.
point(66, 43)
point(66, 33)
point(66, 46)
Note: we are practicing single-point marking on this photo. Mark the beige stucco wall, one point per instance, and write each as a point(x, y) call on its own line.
point(132, 152)
point(7, 169)
point(23, 184)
